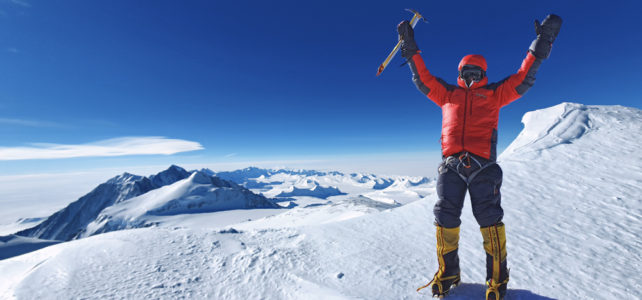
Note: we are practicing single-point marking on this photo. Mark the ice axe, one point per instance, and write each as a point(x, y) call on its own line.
point(417, 16)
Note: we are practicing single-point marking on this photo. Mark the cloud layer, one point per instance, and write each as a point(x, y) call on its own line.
point(111, 147)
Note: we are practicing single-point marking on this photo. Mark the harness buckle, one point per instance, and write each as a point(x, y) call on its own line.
point(465, 155)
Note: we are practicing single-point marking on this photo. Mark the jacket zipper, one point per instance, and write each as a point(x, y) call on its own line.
point(463, 129)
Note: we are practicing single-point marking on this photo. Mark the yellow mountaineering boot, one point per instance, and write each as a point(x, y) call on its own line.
point(496, 270)
point(448, 274)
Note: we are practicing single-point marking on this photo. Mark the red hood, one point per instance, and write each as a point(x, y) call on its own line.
point(475, 60)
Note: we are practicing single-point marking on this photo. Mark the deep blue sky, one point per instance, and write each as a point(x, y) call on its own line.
point(283, 79)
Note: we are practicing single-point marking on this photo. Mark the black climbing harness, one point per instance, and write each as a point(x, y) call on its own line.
point(462, 164)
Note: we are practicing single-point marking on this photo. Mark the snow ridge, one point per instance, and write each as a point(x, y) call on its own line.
point(200, 193)
point(567, 123)
point(316, 191)
point(71, 222)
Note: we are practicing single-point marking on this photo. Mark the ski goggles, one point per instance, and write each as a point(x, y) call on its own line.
point(474, 73)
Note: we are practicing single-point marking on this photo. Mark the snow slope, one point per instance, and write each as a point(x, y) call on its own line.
point(571, 195)
point(13, 245)
point(200, 193)
point(574, 193)
point(71, 221)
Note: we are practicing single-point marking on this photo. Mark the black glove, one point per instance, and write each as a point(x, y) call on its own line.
point(407, 37)
point(546, 34)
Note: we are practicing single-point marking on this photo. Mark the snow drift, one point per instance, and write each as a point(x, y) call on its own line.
point(596, 127)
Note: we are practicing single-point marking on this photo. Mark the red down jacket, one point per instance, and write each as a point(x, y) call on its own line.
point(470, 115)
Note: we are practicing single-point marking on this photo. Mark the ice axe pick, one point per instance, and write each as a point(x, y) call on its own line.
point(417, 16)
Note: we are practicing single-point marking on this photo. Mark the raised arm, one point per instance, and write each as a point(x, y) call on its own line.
point(435, 88)
point(516, 85)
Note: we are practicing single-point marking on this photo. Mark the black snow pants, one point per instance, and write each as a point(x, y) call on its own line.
point(468, 172)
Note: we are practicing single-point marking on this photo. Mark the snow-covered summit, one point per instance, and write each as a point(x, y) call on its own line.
point(567, 123)
point(124, 178)
point(71, 222)
point(572, 193)
point(173, 174)
point(199, 193)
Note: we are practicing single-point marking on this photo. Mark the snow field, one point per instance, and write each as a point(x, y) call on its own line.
point(571, 195)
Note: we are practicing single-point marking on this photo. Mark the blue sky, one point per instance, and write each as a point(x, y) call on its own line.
point(277, 80)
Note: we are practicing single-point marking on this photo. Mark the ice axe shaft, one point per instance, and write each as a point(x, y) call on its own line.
point(417, 16)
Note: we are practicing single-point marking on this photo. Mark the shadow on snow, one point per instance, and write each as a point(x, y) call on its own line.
point(478, 291)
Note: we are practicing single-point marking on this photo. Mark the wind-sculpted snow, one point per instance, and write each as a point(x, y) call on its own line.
point(573, 213)
point(568, 122)
point(572, 200)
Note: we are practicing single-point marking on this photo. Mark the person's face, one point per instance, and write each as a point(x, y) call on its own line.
point(471, 74)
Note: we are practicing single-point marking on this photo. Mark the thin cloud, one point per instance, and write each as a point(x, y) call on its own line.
point(12, 50)
point(105, 148)
point(21, 3)
point(29, 123)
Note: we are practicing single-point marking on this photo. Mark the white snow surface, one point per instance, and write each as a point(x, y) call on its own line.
point(573, 209)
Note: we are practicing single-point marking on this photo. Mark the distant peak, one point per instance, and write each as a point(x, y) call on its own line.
point(207, 171)
point(172, 174)
point(200, 178)
point(125, 177)
point(175, 168)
